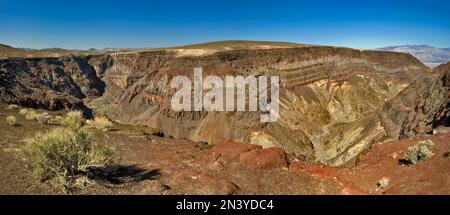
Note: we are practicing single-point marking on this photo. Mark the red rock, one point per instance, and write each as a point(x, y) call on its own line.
point(230, 150)
point(265, 158)
point(295, 168)
point(249, 154)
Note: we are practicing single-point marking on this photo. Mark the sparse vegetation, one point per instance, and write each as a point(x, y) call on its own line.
point(58, 120)
point(74, 120)
point(101, 123)
point(12, 107)
point(65, 154)
point(382, 183)
point(23, 111)
point(31, 115)
point(418, 153)
point(46, 118)
point(11, 120)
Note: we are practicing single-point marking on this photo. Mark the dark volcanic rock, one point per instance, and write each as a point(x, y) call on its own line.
point(50, 83)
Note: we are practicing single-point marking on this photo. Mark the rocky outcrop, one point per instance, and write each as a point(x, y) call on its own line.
point(50, 83)
point(331, 100)
point(420, 107)
point(249, 154)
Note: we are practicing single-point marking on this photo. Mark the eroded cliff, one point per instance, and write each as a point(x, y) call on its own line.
point(334, 102)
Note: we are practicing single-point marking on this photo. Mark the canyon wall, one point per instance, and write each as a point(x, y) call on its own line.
point(334, 102)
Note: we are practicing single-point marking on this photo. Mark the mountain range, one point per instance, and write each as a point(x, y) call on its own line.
point(429, 55)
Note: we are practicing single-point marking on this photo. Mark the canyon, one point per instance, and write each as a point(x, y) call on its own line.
point(335, 103)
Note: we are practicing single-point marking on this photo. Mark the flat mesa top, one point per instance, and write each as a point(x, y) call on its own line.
point(200, 49)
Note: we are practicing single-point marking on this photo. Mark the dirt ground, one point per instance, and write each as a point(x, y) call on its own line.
point(148, 164)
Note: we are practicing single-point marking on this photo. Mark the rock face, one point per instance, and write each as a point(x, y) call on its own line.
point(422, 105)
point(250, 155)
point(334, 102)
point(50, 83)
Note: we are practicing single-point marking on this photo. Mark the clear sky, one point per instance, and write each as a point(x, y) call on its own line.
point(129, 23)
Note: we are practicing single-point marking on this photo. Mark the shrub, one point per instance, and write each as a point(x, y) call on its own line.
point(12, 107)
point(418, 152)
point(59, 120)
point(382, 183)
point(101, 123)
point(31, 115)
point(11, 120)
point(23, 111)
point(73, 120)
point(46, 118)
point(65, 154)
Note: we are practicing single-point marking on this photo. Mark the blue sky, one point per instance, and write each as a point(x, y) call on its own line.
point(100, 24)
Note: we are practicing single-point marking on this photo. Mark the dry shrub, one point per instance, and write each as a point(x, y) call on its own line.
point(382, 183)
point(31, 115)
point(64, 154)
point(12, 107)
point(418, 152)
point(11, 120)
point(23, 111)
point(101, 123)
point(74, 120)
point(46, 118)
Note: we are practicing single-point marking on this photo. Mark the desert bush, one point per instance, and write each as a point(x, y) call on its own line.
point(12, 107)
point(73, 120)
point(101, 123)
point(23, 111)
point(418, 152)
point(59, 120)
point(31, 115)
point(11, 120)
point(64, 154)
point(46, 118)
point(382, 183)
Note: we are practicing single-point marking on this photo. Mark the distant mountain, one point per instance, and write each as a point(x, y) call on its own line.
point(7, 51)
point(4, 47)
point(429, 55)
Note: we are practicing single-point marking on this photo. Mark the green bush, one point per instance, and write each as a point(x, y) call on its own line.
point(11, 120)
point(418, 152)
point(65, 154)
